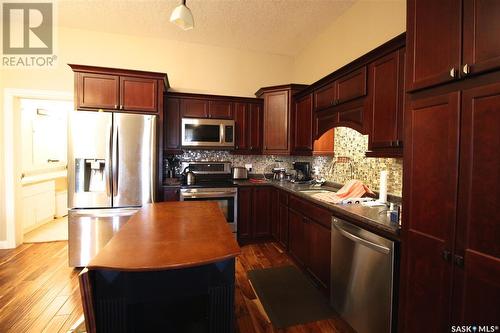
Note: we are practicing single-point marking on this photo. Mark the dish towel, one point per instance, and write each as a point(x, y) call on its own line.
point(352, 189)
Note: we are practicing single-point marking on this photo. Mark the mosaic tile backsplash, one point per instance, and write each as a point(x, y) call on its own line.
point(348, 143)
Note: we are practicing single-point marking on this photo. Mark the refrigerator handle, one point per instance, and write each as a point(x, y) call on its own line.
point(153, 160)
point(107, 169)
point(116, 157)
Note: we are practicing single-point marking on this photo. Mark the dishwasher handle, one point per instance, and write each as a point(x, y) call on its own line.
point(380, 248)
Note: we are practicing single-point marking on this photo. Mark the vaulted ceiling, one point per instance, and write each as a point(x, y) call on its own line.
point(272, 26)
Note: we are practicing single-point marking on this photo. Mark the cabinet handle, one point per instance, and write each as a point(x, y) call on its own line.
point(466, 69)
point(236, 147)
point(453, 72)
point(116, 106)
point(458, 260)
point(121, 107)
point(251, 148)
point(446, 255)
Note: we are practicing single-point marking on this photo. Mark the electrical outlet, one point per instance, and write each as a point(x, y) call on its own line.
point(248, 167)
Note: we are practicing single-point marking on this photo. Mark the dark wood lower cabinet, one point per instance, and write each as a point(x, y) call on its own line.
point(171, 194)
point(297, 236)
point(257, 208)
point(245, 213)
point(319, 248)
point(283, 225)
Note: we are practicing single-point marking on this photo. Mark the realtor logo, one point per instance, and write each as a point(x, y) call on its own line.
point(27, 28)
point(28, 34)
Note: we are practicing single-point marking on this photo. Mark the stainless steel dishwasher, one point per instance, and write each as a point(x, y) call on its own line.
point(362, 277)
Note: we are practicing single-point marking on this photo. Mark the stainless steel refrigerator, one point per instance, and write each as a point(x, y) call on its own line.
point(111, 173)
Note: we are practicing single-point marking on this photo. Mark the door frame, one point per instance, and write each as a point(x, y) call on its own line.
point(10, 185)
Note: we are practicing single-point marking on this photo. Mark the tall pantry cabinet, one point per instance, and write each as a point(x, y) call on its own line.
point(450, 270)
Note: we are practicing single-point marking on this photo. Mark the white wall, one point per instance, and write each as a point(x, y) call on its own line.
point(363, 27)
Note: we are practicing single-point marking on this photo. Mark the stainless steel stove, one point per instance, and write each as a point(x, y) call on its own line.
point(213, 183)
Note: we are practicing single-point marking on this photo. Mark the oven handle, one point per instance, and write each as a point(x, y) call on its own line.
point(208, 195)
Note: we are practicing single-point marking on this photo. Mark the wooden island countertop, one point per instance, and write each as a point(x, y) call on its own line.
point(169, 235)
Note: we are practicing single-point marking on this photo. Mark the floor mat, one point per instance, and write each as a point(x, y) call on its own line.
point(288, 296)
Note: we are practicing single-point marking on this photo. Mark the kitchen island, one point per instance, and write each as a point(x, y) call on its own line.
point(169, 269)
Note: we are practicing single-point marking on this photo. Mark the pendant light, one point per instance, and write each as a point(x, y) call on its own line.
point(182, 17)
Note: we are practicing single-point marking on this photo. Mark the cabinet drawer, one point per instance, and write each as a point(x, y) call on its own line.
point(311, 211)
point(351, 86)
point(324, 97)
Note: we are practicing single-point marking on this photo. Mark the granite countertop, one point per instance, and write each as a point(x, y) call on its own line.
point(370, 218)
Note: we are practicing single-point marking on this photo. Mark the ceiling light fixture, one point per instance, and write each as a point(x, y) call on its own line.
point(182, 17)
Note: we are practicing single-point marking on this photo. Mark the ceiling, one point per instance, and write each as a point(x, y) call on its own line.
point(282, 27)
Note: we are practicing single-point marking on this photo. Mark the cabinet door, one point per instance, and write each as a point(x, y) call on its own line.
point(275, 223)
point(432, 166)
point(303, 124)
point(319, 252)
point(262, 209)
point(97, 91)
point(297, 237)
point(170, 194)
point(172, 124)
point(276, 122)
point(481, 50)
point(194, 108)
point(283, 228)
point(245, 212)
point(220, 110)
point(324, 97)
point(241, 115)
point(384, 85)
point(351, 86)
point(138, 94)
point(433, 42)
point(255, 127)
point(478, 289)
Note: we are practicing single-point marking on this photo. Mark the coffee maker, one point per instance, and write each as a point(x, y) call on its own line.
point(303, 170)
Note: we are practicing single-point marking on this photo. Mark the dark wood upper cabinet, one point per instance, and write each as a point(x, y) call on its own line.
point(241, 117)
point(433, 42)
point(112, 89)
point(428, 231)
point(97, 91)
point(324, 97)
point(255, 126)
point(481, 28)
point(138, 94)
point(325, 144)
point(351, 86)
point(220, 109)
point(172, 123)
point(478, 229)
point(386, 107)
point(303, 124)
point(194, 108)
point(277, 118)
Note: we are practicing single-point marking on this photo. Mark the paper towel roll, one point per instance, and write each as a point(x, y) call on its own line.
point(382, 196)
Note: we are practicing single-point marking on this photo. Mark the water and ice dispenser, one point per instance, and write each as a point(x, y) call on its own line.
point(90, 175)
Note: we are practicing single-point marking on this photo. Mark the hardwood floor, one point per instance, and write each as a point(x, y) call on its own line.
point(39, 292)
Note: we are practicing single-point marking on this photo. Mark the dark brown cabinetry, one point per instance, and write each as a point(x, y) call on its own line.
point(451, 258)
point(477, 250)
point(171, 194)
point(246, 112)
point(343, 89)
point(283, 219)
point(118, 89)
point(386, 108)
point(256, 209)
point(277, 118)
point(247, 118)
point(451, 39)
point(310, 239)
point(303, 130)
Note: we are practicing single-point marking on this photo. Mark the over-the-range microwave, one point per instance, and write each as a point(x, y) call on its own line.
point(209, 133)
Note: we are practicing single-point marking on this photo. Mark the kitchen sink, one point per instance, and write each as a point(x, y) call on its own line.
point(313, 191)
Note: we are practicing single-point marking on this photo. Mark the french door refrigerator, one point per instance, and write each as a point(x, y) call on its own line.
point(111, 173)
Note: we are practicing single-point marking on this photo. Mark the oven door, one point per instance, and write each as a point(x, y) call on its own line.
point(225, 197)
point(207, 133)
